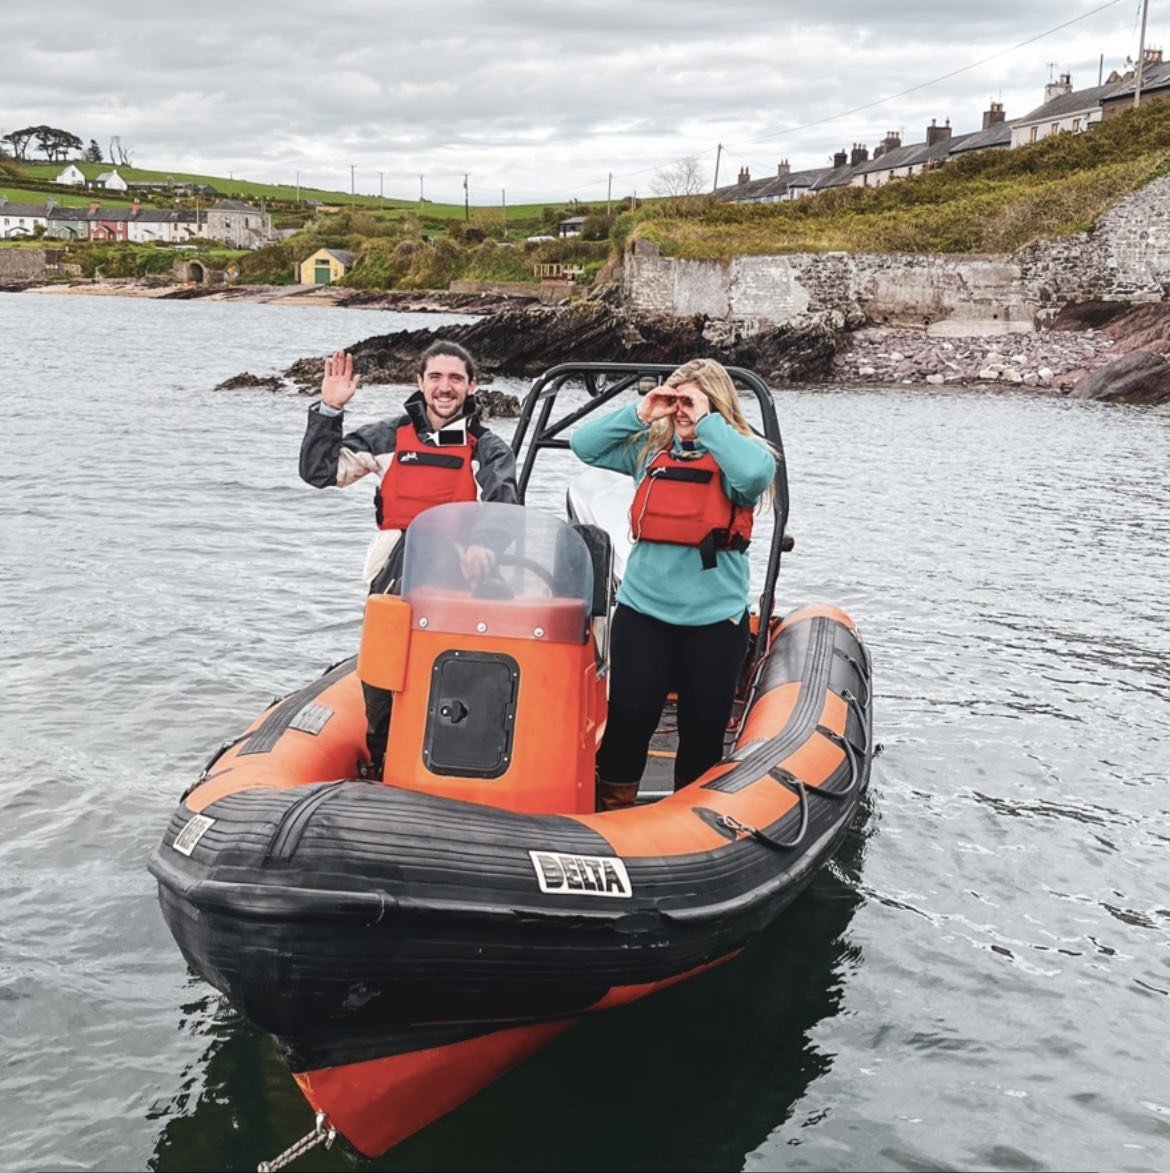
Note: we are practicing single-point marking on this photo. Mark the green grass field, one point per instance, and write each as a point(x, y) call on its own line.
point(234, 188)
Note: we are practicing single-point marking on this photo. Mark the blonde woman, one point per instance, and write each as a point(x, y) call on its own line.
point(681, 622)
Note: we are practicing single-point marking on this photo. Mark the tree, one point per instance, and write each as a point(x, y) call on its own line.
point(93, 153)
point(683, 178)
point(19, 140)
point(119, 154)
point(56, 144)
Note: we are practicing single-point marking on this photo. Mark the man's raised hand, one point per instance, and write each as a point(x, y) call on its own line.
point(340, 383)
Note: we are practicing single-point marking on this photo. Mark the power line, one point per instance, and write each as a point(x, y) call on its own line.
point(867, 105)
point(933, 81)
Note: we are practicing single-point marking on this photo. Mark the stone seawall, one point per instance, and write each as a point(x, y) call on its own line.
point(22, 264)
point(1125, 257)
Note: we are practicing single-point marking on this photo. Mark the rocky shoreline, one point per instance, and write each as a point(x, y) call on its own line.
point(519, 337)
point(1049, 359)
point(1068, 358)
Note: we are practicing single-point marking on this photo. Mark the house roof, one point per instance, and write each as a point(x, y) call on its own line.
point(574, 220)
point(111, 174)
point(1154, 77)
point(771, 186)
point(233, 206)
point(98, 214)
point(912, 155)
point(1066, 104)
point(339, 254)
point(163, 216)
point(10, 209)
point(997, 135)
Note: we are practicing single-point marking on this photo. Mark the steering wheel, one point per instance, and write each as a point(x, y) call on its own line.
point(541, 572)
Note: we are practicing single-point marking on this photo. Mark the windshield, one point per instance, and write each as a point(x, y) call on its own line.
point(537, 565)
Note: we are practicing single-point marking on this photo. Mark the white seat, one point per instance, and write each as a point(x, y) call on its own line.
point(600, 497)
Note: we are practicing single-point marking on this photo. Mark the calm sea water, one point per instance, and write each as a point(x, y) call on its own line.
point(981, 980)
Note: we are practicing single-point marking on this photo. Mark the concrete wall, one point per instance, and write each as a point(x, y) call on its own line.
point(1125, 258)
point(21, 264)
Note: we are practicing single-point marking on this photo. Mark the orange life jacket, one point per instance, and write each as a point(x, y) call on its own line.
point(681, 500)
point(422, 475)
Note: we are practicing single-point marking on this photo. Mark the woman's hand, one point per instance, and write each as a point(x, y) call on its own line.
point(657, 404)
point(693, 401)
point(340, 383)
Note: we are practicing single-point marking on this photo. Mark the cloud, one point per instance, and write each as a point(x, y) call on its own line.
point(543, 100)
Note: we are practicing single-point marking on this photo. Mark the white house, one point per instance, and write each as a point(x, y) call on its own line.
point(150, 224)
point(111, 181)
point(1064, 109)
point(72, 175)
point(18, 220)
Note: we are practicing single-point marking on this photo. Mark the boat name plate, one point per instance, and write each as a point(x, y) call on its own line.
point(193, 830)
point(559, 873)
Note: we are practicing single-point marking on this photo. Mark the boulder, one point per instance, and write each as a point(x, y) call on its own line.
point(247, 379)
point(1138, 377)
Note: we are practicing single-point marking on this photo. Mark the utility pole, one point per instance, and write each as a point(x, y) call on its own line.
point(1141, 61)
point(420, 191)
point(608, 195)
point(466, 198)
point(298, 187)
point(351, 190)
point(718, 154)
point(381, 195)
point(504, 209)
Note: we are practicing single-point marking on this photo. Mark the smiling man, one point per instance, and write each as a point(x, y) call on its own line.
point(438, 451)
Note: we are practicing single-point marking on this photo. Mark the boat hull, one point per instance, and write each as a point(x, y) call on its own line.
point(414, 947)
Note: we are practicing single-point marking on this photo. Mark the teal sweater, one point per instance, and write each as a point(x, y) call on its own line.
point(663, 580)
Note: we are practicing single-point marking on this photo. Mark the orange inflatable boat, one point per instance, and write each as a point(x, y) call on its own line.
point(407, 941)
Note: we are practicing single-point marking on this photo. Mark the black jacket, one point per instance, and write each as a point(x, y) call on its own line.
point(330, 458)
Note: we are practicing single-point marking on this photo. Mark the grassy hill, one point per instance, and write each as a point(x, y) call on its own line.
point(280, 193)
point(987, 202)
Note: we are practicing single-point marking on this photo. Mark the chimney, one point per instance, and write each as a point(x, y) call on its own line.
point(1057, 89)
point(50, 204)
point(993, 115)
point(859, 154)
point(782, 169)
point(840, 159)
point(135, 207)
point(93, 206)
point(937, 134)
point(1151, 57)
point(744, 176)
point(892, 141)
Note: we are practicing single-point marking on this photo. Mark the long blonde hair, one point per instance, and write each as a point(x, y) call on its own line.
point(714, 381)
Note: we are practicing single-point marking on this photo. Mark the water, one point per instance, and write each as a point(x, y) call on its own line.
point(981, 981)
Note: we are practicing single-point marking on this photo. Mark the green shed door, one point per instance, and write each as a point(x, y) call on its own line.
point(321, 273)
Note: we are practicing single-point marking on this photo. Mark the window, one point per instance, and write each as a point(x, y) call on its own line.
point(1032, 134)
point(1076, 125)
point(1054, 128)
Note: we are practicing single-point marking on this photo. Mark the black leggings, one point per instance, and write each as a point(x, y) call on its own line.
point(648, 659)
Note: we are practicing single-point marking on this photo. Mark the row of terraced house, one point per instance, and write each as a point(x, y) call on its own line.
point(1064, 110)
point(229, 222)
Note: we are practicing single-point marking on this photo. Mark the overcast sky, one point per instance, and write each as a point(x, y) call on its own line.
point(543, 99)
